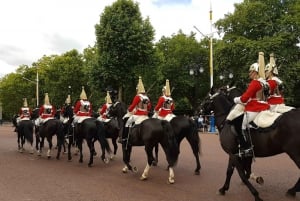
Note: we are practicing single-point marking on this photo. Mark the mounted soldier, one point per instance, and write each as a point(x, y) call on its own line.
point(165, 105)
point(139, 109)
point(82, 108)
point(24, 113)
point(105, 108)
point(254, 101)
point(46, 111)
point(275, 99)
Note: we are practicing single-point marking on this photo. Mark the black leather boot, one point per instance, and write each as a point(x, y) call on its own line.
point(123, 134)
point(246, 149)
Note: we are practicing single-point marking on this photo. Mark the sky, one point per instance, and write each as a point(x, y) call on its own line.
point(30, 29)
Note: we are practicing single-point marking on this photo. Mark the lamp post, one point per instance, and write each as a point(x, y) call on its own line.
point(223, 76)
point(211, 34)
point(36, 82)
point(195, 71)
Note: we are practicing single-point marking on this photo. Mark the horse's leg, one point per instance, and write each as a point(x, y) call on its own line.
point(19, 142)
point(60, 143)
point(80, 150)
point(70, 137)
point(90, 143)
point(114, 142)
point(296, 188)
point(229, 172)
point(242, 175)
point(49, 139)
point(155, 161)
point(126, 157)
point(194, 143)
point(150, 160)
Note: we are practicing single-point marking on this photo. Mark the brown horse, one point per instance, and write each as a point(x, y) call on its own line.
point(282, 137)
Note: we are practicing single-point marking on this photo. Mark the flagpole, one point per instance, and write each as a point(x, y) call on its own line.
point(211, 49)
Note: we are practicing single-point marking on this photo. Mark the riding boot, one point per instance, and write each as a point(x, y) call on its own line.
point(245, 145)
point(122, 135)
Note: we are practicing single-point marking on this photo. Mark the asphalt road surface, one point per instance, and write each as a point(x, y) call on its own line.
point(28, 177)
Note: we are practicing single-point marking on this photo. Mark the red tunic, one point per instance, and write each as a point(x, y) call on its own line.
point(163, 111)
point(44, 113)
point(103, 110)
point(140, 107)
point(274, 98)
point(25, 112)
point(78, 109)
point(251, 100)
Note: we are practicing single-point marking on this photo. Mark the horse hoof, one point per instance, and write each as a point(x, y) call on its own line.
point(260, 180)
point(197, 172)
point(171, 181)
point(90, 165)
point(290, 193)
point(125, 170)
point(106, 160)
point(143, 178)
point(48, 157)
point(220, 192)
point(135, 169)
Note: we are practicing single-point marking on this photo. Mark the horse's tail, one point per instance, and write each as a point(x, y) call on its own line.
point(28, 130)
point(173, 148)
point(101, 136)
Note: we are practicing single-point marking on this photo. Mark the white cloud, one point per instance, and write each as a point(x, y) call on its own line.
point(33, 28)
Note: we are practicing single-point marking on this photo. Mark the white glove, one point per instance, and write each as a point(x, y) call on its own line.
point(237, 100)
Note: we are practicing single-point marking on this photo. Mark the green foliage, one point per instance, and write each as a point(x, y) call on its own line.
point(124, 41)
point(270, 26)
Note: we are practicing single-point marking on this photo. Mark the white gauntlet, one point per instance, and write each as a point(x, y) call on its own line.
point(237, 100)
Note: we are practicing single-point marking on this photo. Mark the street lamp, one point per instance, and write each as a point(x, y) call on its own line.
point(36, 82)
point(223, 76)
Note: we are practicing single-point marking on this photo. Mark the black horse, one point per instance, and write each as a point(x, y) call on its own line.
point(25, 133)
point(67, 119)
point(281, 137)
point(48, 130)
point(91, 130)
point(149, 133)
point(183, 127)
point(111, 129)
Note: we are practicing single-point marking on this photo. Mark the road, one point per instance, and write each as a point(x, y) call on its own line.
point(28, 177)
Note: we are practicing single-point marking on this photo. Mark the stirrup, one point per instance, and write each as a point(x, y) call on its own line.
point(248, 152)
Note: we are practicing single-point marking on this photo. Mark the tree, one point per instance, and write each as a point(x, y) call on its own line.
point(125, 48)
point(180, 55)
point(268, 26)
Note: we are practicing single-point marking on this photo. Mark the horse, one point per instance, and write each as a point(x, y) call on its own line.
point(67, 120)
point(149, 133)
point(281, 137)
point(47, 130)
point(183, 127)
point(25, 133)
point(91, 130)
point(111, 129)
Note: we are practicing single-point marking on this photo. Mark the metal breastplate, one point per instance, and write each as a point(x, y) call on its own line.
point(85, 106)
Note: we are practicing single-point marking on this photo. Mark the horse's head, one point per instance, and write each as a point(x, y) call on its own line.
point(68, 111)
point(220, 100)
point(35, 113)
point(118, 110)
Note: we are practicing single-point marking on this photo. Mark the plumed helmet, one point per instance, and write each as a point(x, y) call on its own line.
point(107, 98)
point(25, 104)
point(261, 64)
point(271, 67)
point(83, 94)
point(254, 67)
point(46, 101)
point(140, 87)
point(68, 100)
point(168, 91)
